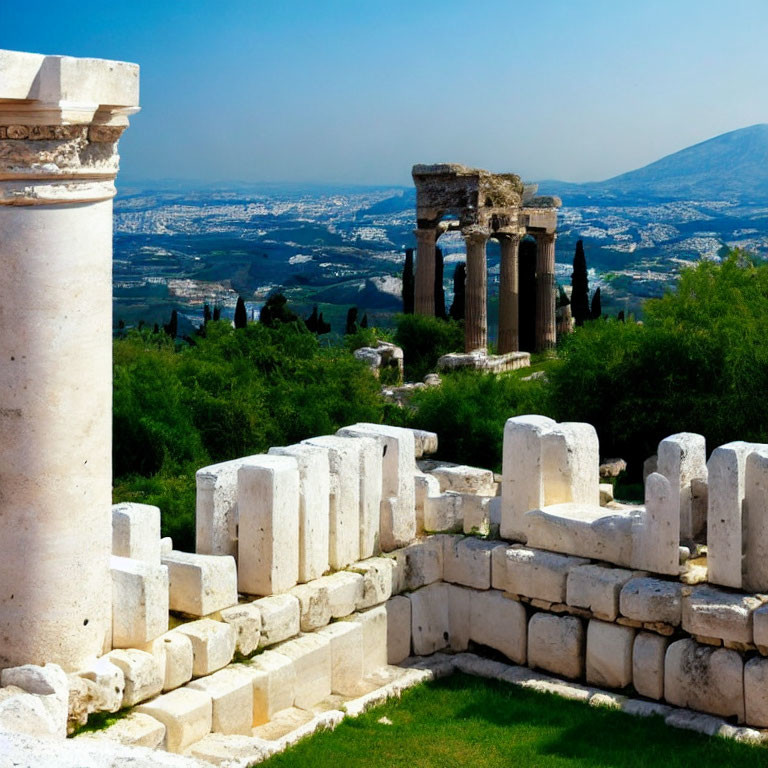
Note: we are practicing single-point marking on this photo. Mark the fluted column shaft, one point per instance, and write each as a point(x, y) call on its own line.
point(546, 330)
point(509, 297)
point(476, 309)
point(424, 295)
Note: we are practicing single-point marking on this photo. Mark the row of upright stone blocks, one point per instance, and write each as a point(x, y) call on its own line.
point(293, 514)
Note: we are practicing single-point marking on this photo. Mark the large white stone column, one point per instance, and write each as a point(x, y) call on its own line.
point(475, 296)
point(424, 292)
point(546, 329)
point(509, 295)
point(60, 120)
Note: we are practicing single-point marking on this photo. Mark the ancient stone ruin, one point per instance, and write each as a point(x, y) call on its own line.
point(483, 205)
point(333, 573)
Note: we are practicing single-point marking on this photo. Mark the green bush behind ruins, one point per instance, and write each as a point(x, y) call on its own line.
point(699, 362)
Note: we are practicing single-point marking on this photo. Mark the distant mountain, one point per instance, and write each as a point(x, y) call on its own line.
point(732, 165)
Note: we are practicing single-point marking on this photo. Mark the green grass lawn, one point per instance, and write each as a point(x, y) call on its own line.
point(465, 721)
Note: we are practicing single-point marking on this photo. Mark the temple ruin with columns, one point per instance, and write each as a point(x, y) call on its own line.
point(335, 573)
point(483, 205)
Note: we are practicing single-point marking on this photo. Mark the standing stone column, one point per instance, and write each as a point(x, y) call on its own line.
point(546, 329)
point(424, 300)
point(509, 297)
point(476, 309)
point(60, 121)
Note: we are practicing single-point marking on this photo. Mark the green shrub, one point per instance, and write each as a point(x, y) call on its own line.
point(425, 339)
point(469, 410)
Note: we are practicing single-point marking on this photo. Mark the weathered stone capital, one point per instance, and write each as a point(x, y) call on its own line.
point(425, 234)
point(475, 234)
point(508, 237)
point(60, 121)
point(546, 238)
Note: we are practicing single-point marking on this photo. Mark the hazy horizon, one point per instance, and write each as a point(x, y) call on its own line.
point(355, 93)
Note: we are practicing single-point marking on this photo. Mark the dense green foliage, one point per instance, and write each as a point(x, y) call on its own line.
point(234, 393)
point(424, 340)
point(469, 410)
point(699, 363)
point(465, 721)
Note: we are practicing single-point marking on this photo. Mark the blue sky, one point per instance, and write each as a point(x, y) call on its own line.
point(357, 91)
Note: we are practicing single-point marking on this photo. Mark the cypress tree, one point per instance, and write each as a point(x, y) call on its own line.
point(439, 289)
point(216, 313)
point(364, 321)
point(351, 325)
point(596, 310)
point(311, 321)
point(409, 283)
point(620, 317)
point(580, 283)
point(459, 283)
point(322, 326)
point(206, 313)
point(173, 325)
point(241, 316)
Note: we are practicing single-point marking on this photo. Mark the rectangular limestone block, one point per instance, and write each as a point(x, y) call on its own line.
point(756, 692)
point(201, 584)
point(476, 515)
point(398, 610)
point(704, 678)
point(311, 657)
point(378, 574)
point(216, 512)
point(347, 658)
point(419, 564)
point(556, 644)
point(397, 526)
point(345, 592)
point(609, 654)
point(370, 473)
point(280, 618)
point(682, 459)
point(245, 619)
point(656, 532)
point(522, 487)
point(755, 570)
point(231, 692)
point(499, 567)
point(467, 561)
point(134, 730)
point(597, 588)
point(648, 654)
point(425, 442)
point(136, 532)
point(268, 532)
point(43, 695)
point(760, 627)
point(213, 644)
point(464, 479)
point(538, 574)
point(499, 623)
point(430, 619)
point(425, 486)
point(274, 681)
point(652, 600)
point(179, 659)
point(141, 672)
point(571, 455)
point(139, 601)
point(314, 606)
point(726, 491)
point(459, 610)
point(314, 507)
point(444, 513)
point(374, 625)
point(344, 516)
point(186, 715)
point(712, 612)
point(109, 681)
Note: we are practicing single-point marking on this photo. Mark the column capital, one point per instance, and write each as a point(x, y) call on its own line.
point(545, 237)
point(508, 237)
point(425, 234)
point(475, 234)
point(60, 121)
